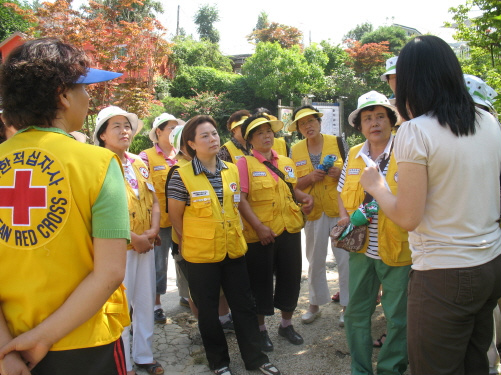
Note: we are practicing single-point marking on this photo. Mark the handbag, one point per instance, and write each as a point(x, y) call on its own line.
point(354, 240)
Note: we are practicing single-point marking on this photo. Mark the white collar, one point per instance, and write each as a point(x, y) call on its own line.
point(384, 155)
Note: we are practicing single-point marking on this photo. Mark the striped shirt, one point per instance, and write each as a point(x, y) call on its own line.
point(372, 249)
point(177, 190)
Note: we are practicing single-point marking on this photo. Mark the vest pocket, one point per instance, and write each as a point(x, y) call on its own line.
point(203, 208)
point(262, 190)
point(116, 307)
point(199, 241)
point(396, 246)
point(296, 218)
point(235, 243)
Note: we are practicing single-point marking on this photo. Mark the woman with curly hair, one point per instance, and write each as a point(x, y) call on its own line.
point(62, 305)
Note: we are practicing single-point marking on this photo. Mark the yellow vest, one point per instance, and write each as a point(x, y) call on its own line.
point(235, 152)
point(280, 146)
point(180, 163)
point(210, 232)
point(272, 200)
point(393, 244)
point(46, 247)
point(324, 192)
point(139, 208)
point(159, 168)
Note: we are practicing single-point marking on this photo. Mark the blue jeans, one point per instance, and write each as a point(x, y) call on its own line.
point(161, 258)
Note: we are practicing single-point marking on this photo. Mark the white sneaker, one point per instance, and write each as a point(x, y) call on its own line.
point(341, 319)
point(309, 317)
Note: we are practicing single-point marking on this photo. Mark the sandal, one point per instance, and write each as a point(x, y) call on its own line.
point(335, 297)
point(152, 368)
point(380, 341)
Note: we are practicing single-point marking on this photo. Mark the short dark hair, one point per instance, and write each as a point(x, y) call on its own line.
point(34, 75)
point(357, 121)
point(190, 131)
point(430, 81)
point(237, 116)
point(101, 130)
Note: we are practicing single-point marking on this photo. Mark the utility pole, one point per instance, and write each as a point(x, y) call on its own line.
point(177, 27)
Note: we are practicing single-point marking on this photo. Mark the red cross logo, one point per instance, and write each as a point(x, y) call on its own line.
point(22, 197)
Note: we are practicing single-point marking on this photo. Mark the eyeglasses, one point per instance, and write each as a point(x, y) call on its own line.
point(311, 122)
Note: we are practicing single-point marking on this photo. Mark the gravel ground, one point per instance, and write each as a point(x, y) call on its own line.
point(325, 350)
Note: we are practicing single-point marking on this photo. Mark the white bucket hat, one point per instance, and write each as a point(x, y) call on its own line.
point(112, 111)
point(480, 91)
point(159, 121)
point(391, 68)
point(175, 137)
point(370, 99)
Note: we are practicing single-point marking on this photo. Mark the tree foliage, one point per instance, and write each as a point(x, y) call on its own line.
point(395, 36)
point(205, 18)
point(275, 73)
point(188, 52)
point(137, 11)
point(368, 59)
point(10, 20)
point(134, 48)
point(484, 31)
point(194, 79)
point(483, 34)
point(359, 31)
point(286, 36)
point(262, 21)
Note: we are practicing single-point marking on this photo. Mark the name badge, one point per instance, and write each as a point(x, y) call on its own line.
point(200, 193)
point(150, 187)
point(159, 167)
point(237, 157)
point(289, 171)
point(258, 174)
point(236, 198)
point(353, 171)
point(300, 163)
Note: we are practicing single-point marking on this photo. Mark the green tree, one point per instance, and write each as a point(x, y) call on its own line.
point(188, 52)
point(394, 35)
point(262, 21)
point(205, 18)
point(275, 73)
point(194, 79)
point(484, 31)
point(10, 20)
point(359, 31)
point(483, 35)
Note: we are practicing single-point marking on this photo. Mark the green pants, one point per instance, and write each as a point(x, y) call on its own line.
point(366, 274)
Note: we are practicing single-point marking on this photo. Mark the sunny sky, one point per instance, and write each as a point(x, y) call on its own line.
point(322, 19)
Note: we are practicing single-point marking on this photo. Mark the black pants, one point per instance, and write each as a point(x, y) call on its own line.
point(283, 259)
point(99, 360)
point(205, 280)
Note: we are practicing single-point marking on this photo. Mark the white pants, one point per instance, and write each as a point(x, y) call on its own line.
point(317, 240)
point(140, 283)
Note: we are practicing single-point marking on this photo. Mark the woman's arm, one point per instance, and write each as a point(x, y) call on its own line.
point(89, 296)
point(344, 217)
point(308, 180)
point(12, 364)
point(176, 212)
point(265, 234)
point(406, 209)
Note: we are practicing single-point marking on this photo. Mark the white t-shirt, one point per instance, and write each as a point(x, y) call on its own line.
point(459, 227)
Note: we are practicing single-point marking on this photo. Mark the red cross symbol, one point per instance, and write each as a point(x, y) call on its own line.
point(22, 197)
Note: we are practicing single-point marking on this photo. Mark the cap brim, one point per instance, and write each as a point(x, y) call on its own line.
point(292, 127)
point(97, 75)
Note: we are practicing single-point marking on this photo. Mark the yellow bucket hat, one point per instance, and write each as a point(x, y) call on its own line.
point(276, 125)
point(299, 115)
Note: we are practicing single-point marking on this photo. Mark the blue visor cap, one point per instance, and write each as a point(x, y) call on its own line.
point(97, 75)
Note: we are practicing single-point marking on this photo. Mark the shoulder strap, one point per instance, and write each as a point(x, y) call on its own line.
point(282, 176)
point(169, 175)
point(340, 146)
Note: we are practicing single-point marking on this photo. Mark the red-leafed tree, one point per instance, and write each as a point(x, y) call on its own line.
point(286, 36)
point(368, 60)
point(135, 48)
